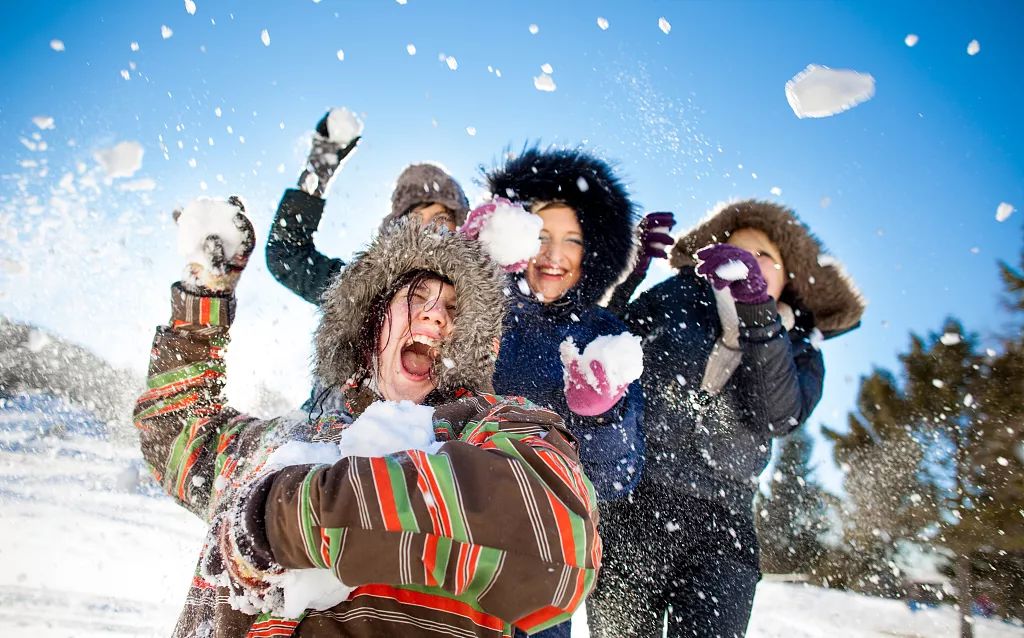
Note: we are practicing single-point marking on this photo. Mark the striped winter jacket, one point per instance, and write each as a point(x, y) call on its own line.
point(498, 528)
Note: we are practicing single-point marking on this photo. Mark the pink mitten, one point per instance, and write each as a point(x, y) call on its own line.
point(479, 217)
point(583, 398)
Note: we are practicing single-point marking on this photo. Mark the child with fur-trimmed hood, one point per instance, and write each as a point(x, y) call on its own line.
point(488, 525)
point(731, 361)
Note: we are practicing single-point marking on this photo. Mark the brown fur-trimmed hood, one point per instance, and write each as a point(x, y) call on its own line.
point(816, 280)
point(399, 249)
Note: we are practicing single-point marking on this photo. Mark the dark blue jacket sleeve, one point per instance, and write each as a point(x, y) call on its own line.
point(292, 258)
point(780, 379)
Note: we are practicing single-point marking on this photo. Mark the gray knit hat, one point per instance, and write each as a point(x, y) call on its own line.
point(427, 184)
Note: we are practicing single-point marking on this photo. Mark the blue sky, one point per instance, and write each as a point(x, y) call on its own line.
point(912, 177)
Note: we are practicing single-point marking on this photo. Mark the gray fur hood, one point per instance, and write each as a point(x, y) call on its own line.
point(817, 281)
point(469, 353)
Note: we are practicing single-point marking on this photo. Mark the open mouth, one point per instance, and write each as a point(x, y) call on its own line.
point(552, 272)
point(419, 355)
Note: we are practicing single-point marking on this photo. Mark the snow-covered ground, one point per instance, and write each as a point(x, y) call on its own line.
point(87, 549)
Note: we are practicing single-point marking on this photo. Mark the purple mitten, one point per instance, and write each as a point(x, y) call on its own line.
point(583, 398)
point(653, 238)
point(724, 265)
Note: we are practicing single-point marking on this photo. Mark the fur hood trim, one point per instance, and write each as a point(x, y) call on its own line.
point(817, 281)
point(588, 185)
point(467, 356)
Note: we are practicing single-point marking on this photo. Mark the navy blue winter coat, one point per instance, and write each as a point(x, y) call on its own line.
point(611, 444)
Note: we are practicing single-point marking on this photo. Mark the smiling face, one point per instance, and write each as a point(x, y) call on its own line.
point(559, 264)
point(435, 214)
point(768, 255)
point(419, 318)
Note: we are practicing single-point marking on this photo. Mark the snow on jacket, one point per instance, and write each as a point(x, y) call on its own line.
point(497, 527)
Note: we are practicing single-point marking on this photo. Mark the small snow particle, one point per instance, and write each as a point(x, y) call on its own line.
point(43, 122)
point(546, 68)
point(165, 32)
point(602, 23)
point(680, 379)
point(471, 130)
point(968, 400)
point(448, 363)
point(410, 49)
point(125, 74)
point(1003, 211)
point(217, 111)
point(581, 183)
point(402, 2)
point(57, 45)
point(825, 202)
point(775, 190)
point(672, 527)
point(134, 46)
point(534, 29)
point(190, 7)
point(938, 383)
point(265, 37)
point(1002, 461)
point(819, 91)
point(544, 82)
point(664, 25)
point(973, 47)
point(452, 63)
point(341, 55)
point(950, 339)
point(910, 40)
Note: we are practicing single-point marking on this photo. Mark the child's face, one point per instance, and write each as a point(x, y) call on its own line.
point(559, 264)
point(768, 255)
point(435, 214)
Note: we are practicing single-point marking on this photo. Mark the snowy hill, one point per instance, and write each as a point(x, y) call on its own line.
point(89, 549)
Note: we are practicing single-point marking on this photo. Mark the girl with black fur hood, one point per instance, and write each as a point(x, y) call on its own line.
point(731, 361)
point(489, 523)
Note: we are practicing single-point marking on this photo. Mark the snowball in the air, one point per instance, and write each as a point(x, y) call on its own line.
point(343, 126)
point(265, 37)
point(511, 234)
point(910, 40)
point(544, 82)
point(122, 160)
point(452, 63)
point(341, 55)
point(1003, 211)
point(733, 270)
point(200, 219)
point(973, 47)
point(602, 23)
point(621, 356)
point(534, 29)
point(57, 45)
point(819, 91)
point(190, 7)
point(664, 25)
point(410, 49)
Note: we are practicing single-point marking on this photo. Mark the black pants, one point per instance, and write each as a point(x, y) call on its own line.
point(692, 559)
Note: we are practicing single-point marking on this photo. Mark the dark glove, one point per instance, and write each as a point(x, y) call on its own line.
point(324, 159)
point(653, 238)
point(216, 238)
point(713, 264)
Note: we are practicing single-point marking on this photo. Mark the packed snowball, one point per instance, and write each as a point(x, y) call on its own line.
point(343, 126)
point(621, 356)
point(819, 91)
point(202, 218)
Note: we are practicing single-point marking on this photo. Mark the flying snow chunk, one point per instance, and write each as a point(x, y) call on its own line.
point(1003, 211)
point(57, 45)
point(544, 82)
point(664, 25)
point(125, 75)
point(165, 32)
point(547, 68)
point(190, 7)
point(534, 29)
point(122, 160)
point(341, 55)
point(950, 339)
point(410, 49)
point(819, 91)
point(265, 37)
point(910, 40)
point(471, 130)
point(43, 122)
point(973, 47)
point(452, 63)
point(200, 219)
point(402, 2)
point(602, 23)
point(510, 234)
point(134, 46)
point(775, 190)
point(581, 183)
point(938, 383)
point(343, 126)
